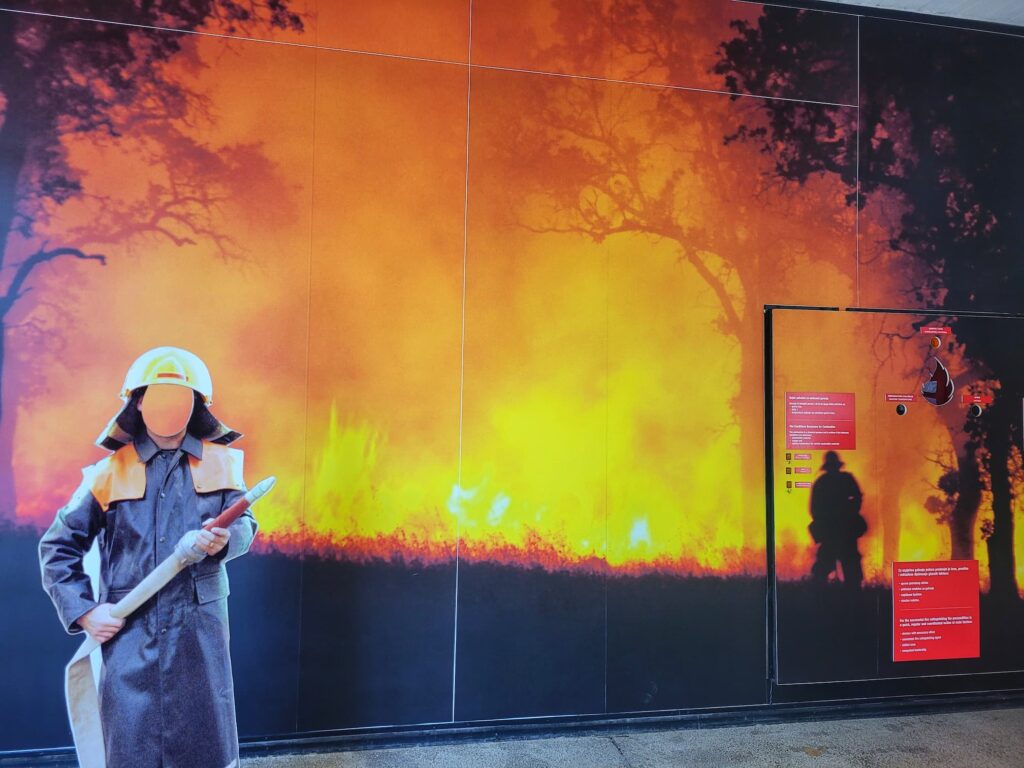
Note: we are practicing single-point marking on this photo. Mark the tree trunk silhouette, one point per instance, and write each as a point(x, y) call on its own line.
point(890, 516)
point(8, 488)
point(1002, 566)
point(62, 77)
point(748, 410)
point(746, 325)
point(964, 516)
point(15, 135)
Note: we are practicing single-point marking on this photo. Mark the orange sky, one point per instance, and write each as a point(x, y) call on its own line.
point(595, 415)
point(247, 319)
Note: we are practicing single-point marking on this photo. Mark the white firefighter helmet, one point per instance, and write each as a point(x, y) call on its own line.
point(166, 365)
point(169, 365)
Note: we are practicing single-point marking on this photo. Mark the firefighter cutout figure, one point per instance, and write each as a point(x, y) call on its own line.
point(167, 509)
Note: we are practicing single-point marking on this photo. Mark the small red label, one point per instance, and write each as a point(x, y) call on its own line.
point(935, 610)
point(802, 485)
point(802, 456)
point(937, 330)
point(898, 398)
point(802, 470)
point(979, 399)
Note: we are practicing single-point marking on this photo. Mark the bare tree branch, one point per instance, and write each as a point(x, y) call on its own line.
point(16, 290)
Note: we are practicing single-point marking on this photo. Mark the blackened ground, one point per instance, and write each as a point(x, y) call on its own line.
point(530, 643)
point(825, 634)
point(679, 643)
point(376, 644)
point(264, 607)
point(319, 644)
point(34, 647)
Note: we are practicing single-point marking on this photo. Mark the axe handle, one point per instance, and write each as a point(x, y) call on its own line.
point(232, 513)
point(149, 586)
point(229, 515)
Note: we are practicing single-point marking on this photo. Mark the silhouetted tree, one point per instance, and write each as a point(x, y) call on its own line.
point(957, 508)
point(60, 78)
point(601, 160)
point(937, 141)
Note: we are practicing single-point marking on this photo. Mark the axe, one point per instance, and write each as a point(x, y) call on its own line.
point(79, 684)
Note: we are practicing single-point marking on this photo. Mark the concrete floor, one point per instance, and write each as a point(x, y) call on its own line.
point(985, 739)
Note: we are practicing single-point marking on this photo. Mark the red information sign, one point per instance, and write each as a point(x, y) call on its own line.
point(935, 610)
point(821, 420)
point(899, 398)
point(979, 399)
point(937, 330)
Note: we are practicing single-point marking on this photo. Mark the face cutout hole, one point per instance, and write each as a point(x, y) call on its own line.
point(166, 409)
point(974, 411)
point(901, 410)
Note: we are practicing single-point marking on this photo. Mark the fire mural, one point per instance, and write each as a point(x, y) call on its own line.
point(600, 309)
point(497, 331)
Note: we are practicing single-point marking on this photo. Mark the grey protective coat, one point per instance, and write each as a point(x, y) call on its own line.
point(166, 692)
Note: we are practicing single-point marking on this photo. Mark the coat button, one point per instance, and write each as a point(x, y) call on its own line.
point(163, 539)
point(163, 631)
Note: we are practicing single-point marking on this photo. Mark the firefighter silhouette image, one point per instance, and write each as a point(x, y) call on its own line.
point(836, 523)
point(166, 696)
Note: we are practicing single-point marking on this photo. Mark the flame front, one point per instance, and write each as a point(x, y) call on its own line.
point(355, 508)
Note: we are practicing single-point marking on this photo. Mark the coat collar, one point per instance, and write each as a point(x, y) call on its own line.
point(146, 449)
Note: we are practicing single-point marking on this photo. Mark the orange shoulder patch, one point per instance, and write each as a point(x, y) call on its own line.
point(118, 477)
point(122, 476)
point(219, 470)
